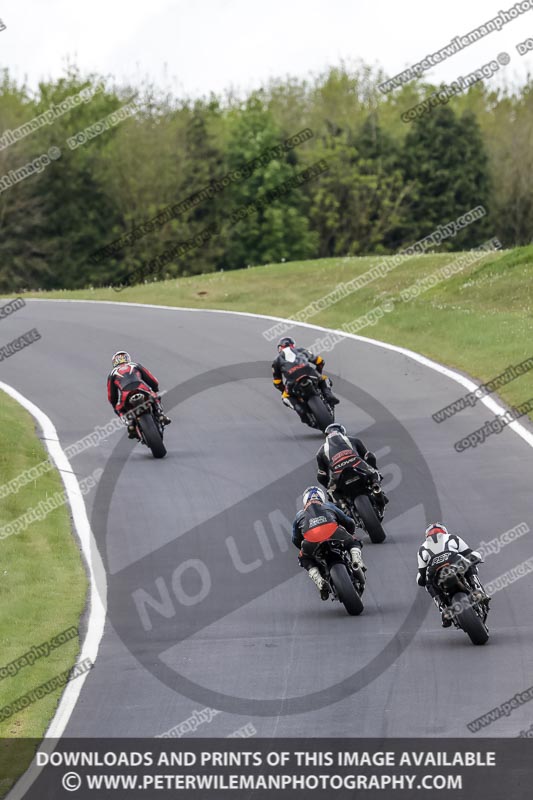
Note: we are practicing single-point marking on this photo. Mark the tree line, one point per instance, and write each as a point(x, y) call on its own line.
point(86, 163)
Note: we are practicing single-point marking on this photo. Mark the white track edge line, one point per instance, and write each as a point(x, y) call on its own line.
point(97, 599)
point(468, 383)
point(59, 718)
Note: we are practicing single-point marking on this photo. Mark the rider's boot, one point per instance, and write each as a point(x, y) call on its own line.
point(162, 416)
point(479, 594)
point(318, 580)
point(445, 614)
point(325, 385)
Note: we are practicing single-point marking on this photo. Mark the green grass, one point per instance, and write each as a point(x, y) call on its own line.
point(42, 589)
point(478, 321)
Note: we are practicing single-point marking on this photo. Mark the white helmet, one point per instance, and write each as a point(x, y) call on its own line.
point(121, 357)
point(313, 493)
point(334, 429)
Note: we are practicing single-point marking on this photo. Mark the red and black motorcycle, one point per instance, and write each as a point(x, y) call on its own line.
point(142, 409)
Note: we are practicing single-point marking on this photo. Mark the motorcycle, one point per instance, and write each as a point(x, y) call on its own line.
point(362, 496)
point(141, 409)
point(336, 567)
point(303, 384)
point(461, 593)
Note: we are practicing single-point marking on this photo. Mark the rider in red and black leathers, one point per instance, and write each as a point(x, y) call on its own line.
point(128, 376)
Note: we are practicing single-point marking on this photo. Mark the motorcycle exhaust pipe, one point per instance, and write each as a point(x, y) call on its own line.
point(376, 488)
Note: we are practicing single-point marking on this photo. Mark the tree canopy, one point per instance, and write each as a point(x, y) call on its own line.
point(387, 184)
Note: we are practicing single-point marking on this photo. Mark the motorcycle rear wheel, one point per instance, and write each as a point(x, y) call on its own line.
point(373, 526)
point(348, 595)
point(321, 412)
point(152, 436)
point(469, 621)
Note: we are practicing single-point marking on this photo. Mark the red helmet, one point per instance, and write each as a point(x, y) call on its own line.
point(435, 528)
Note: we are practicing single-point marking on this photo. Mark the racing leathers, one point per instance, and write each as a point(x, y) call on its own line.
point(125, 379)
point(284, 362)
point(316, 523)
point(434, 545)
point(338, 452)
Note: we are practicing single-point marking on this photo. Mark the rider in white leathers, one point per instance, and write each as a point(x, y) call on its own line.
point(437, 541)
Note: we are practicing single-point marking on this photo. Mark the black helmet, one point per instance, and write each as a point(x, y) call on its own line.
point(286, 341)
point(335, 427)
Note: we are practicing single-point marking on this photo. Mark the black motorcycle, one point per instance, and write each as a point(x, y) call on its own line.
point(344, 579)
point(303, 384)
point(141, 409)
point(358, 486)
point(462, 594)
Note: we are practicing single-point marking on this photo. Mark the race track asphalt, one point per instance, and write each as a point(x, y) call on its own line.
point(207, 605)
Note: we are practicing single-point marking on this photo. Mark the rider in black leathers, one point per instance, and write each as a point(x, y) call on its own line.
point(339, 451)
point(317, 522)
point(288, 353)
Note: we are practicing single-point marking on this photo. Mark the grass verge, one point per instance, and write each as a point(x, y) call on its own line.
point(42, 592)
point(478, 321)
